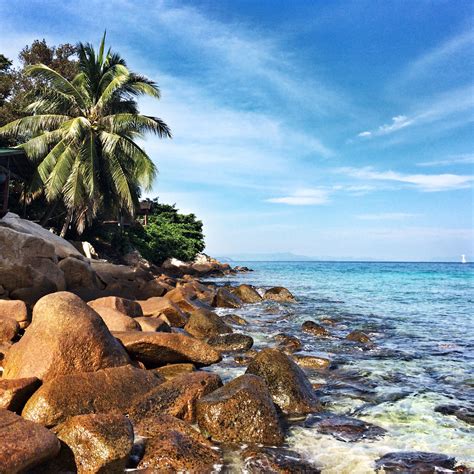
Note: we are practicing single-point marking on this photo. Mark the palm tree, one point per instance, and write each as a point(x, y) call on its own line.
point(82, 136)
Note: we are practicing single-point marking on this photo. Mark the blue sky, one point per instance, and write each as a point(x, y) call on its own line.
point(319, 128)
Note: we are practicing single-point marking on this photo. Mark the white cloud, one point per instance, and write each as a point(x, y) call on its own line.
point(303, 197)
point(386, 216)
point(423, 182)
point(365, 134)
point(463, 159)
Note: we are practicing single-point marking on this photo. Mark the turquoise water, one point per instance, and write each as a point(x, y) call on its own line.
point(420, 317)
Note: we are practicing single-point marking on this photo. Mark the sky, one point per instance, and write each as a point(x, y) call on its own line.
point(329, 129)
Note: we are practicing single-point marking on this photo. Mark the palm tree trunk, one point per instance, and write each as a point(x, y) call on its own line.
point(66, 223)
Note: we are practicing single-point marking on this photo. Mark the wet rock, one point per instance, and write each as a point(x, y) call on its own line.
point(275, 461)
point(416, 461)
point(153, 324)
point(242, 360)
point(117, 321)
point(231, 342)
point(53, 344)
point(176, 397)
point(15, 393)
point(464, 413)
point(128, 307)
point(171, 445)
point(359, 336)
point(246, 293)
point(104, 391)
point(15, 309)
point(172, 371)
point(280, 294)
point(156, 307)
point(344, 428)
point(240, 412)
point(234, 319)
point(315, 329)
point(329, 321)
point(288, 343)
point(225, 299)
point(204, 323)
point(186, 299)
point(312, 362)
point(24, 444)
point(9, 329)
point(288, 384)
point(160, 348)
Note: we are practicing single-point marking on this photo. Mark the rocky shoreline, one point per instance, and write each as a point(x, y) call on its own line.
point(109, 367)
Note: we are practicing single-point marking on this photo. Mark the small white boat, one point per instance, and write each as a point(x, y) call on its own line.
point(463, 259)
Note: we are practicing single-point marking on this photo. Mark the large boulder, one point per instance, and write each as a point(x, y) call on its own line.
point(9, 329)
point(225, 299)
point(204, 323)
point(176, 397)
point(98, 443)
point(258, 460)
point(415, 462)
point(24, 444)
point(315, 329)
point(171, 445)
point(280, 294)
point(160, 348)
point(186, 299)
point(241, 411)
point(66, 336)
point(290, 388)
point(117, 321)
point(15, 309)
point(79, 274)
point(127, 307)
point(231, 342)
point(160, 324)
point(172, 371)
point(104, 391)
point(156, 306)
point(15, 393)
point(246, 293)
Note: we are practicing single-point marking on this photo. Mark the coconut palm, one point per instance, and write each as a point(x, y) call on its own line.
point(82, 136)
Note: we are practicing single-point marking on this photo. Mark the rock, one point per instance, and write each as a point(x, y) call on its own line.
point(359, 336)
point(159, 348)
point(288, 343)
point(258, 460)
point(153, 288)
point(234, 319)
point(315, 329)
point(280, 294)
point(172, 371)
point(246, 293)
point(153, 324)
point(204, 323)
point(24, 444)
point(344, 428)
point(176, 397)
point(79, 274)
point(416, 461)
point(240, 412)
point(312, 362)
point(186, 299)
point(225, 299)
point(155, 307)
point(66, 336)
point(231, 342)
point(104, 391)
point(15, 309)
point(199, 291)
point(174, 446)
point(127, 307)
point(9, 329)
point(242, 360)
point(464, 413)
point(117, 321)
point(15, 393)
point(4, 348)
point(288, 384)
point(99, 443)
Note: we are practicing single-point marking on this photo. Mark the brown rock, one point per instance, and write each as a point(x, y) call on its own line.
point(240, 412)
point(315, 329)
point(225, 299)
point(105, 391)
point(99, 443)
point(79, 274)
point(15, 393)
point(15, 309)
point(174, 446)
point(24, 444)
point(231, 342)
point(128, 307)
point(279, 293)
point(155, 307)
point(172, 371)
point(199, 291)
point(159, 348)
point(290, 388)
point(288, 343)
point(9, 329)
point(246, 293)
point(4, 348)
point(418, 462)
point(186, 299)
point(359, 336)
point(117, 321)
point(66, 336)
point(312, 362)
point(234, 319)
point(153, 324)
point(204, 323)
point(176, 397)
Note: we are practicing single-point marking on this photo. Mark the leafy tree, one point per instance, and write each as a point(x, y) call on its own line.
point(82, 135)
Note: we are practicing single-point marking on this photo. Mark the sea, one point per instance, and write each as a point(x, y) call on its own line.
point(420, 317)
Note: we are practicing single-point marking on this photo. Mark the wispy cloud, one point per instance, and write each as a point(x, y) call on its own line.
point(463, 159)
point(386, 216)
point(423, 182)
point(398, 122)
point(303, 197)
